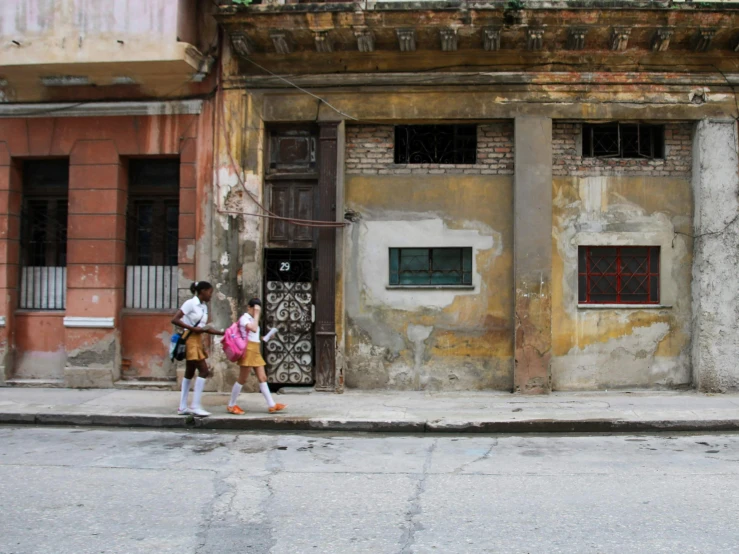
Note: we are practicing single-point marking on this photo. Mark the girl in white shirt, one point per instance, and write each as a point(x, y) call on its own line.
point(193, 317)
point(252, 359)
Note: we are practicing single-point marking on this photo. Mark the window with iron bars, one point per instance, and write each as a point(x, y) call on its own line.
point(618, 275)
point(152, 275)
point(43, 252)
point(431, 266)
point(435, 144)
point(623, 140)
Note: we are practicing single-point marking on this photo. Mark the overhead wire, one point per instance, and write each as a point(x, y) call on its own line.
point(237, 170)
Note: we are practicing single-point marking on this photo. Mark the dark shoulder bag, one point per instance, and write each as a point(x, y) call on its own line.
point(178, 350)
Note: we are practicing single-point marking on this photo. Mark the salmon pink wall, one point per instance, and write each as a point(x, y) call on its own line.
point(97, 148)
point(145, 343)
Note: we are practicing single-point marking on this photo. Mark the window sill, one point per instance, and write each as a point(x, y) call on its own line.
point(431, 287)
point(624, 306)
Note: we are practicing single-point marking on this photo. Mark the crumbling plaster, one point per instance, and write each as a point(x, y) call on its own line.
point(421, 339)
point(631, 346)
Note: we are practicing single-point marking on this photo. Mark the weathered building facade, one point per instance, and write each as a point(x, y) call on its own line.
point(509, 196)
point(526, 188)
point(105, 173)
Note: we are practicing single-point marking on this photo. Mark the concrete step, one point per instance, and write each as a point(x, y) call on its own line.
point(35, 383)
point(145, 385)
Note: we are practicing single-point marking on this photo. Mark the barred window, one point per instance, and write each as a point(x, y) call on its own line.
point(435, 144)
point(43, 253)
point(431, 266)
point(623, 140)
point(152, 233)
point(618, 275)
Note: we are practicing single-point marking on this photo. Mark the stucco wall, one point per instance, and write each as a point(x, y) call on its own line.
point(628, 347)
point(715, 346)
point(412, 339)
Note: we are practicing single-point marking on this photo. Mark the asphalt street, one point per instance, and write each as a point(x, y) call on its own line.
point(66, 490)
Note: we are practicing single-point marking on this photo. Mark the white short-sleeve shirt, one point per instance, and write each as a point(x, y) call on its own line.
point(196, 312)
point(245, 320)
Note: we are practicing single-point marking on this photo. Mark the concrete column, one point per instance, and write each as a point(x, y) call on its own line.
point(95, 264)
point(715, 344)
point(532, 245)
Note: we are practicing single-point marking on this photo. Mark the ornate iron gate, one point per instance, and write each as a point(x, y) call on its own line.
point(288, 306)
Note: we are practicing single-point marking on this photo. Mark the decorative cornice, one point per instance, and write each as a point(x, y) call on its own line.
point(449, 39)
point(406, 40)
point(576, 38)
point(242, 45)
point(661, 40)
point(534, 39)
point(90, 322)
point(100, 109)
point(491, 39)
point(323, 41)
point(620, 38)
point(281, 41)
point(365, 40)
point(703, 39)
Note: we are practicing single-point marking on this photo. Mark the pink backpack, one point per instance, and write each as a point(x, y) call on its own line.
point(233, 343)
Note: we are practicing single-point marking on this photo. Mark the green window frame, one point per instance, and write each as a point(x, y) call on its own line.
point(431, 266)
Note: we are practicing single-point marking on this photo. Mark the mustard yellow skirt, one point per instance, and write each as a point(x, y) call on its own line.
point(194, 350)
point(253, 356)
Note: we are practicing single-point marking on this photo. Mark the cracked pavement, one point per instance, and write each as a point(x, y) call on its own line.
point(101, 490)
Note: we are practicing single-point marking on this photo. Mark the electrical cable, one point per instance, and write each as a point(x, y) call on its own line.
point(221, 124)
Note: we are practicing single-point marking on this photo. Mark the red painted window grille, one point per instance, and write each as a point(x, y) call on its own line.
point(618, 274)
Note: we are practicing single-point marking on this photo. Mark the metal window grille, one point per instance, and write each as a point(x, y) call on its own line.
point(43, 253)
point(623, 140)
point(152, 275)
point(436, 144)
point(431, 266)
point(618, 274)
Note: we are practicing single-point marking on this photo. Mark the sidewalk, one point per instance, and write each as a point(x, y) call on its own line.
point(410, 412)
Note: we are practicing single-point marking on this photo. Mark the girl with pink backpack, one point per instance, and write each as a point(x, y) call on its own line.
point(251, 356)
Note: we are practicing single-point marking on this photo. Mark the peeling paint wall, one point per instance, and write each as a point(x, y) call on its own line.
point(604, 205)
point(235, 241)
point(420, 339)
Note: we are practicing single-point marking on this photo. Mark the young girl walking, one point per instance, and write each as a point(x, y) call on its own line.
point(252, 359)
point(193, 317)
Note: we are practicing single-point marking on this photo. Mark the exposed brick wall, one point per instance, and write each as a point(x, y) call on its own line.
point(568, 159)
point(370, 151)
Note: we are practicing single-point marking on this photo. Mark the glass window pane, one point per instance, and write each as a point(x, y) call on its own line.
point(654, 289)
point(446, 259)
point(414, 259)
point(394, 266)
point(582, 288)
point(446, 278)
point(415, 278)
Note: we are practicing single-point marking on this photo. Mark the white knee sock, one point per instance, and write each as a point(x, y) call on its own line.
point(235, 392)
point(183, 396)
point(197, 394)
point(264, 387)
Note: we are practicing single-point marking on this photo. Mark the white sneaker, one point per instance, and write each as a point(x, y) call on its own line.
point(186, 411)
point(200, 412)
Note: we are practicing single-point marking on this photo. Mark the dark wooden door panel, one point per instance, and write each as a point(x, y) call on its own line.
point(303, 201)
point(296, 201)
point(280, 205)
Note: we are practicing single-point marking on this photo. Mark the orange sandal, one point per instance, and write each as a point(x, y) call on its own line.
point(277, 408)
point(235, 410)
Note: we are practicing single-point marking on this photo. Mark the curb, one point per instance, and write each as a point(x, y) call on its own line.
point(287, 424)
